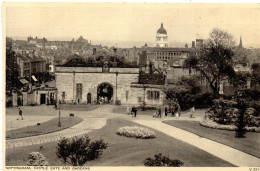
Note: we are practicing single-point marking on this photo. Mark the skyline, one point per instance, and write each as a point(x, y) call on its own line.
point(132, 24)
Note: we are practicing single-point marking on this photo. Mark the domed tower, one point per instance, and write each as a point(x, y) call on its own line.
point(161, 37)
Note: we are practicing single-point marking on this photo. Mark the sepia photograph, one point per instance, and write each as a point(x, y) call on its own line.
point(130, 84)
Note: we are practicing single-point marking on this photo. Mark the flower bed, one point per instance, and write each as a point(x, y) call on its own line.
point(136, 132)
point(211, 124)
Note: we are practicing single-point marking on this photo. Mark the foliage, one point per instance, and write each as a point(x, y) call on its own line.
point(136, 132)
point(255, 75)
point(187, 92)
point(77, 151)
point(240, 121)
point(211, 124)
point(227, 112)
point(12, 68)
point(37, 159)
point(215, 60)
point(111, 61)
point(164, 161)
point(222, 111)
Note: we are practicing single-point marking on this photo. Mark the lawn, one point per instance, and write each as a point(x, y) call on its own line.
point(124, 151)
point(122, 110)
point(44, 128)
point(249, 145)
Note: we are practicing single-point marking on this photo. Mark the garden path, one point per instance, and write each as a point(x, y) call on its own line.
point(97, 118)
point(224, 152)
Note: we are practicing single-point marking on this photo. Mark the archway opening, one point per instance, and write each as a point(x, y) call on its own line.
point(104, 93)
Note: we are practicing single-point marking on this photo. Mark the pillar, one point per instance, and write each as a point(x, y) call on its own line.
point(14, 99)
point(25, 99)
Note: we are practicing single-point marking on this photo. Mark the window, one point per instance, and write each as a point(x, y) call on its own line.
point(63, 95)
point(79, 91)
point(153, 95)
point(126, 95)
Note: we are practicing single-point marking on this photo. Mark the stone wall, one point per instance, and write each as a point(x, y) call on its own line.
point(121, 79)
point(66, 82)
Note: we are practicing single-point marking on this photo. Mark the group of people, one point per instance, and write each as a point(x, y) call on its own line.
point(131, 110)
point(103, 100)
point(163, 111)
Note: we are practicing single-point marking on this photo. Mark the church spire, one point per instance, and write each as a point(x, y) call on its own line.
point(240, 43)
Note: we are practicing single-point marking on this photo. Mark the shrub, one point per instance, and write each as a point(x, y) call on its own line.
point(37, 159)
point(136, 132)
point(225, 112)
point(77, 151)
point(160, 160)
point(222, 111)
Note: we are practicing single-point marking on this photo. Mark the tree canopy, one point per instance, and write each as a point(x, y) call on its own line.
point(215, 60)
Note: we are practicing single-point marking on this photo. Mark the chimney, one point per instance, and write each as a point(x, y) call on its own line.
point(199, 43)
point(193, 44)
point(31, 54)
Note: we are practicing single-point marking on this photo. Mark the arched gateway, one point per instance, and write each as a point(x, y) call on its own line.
point(105, 93)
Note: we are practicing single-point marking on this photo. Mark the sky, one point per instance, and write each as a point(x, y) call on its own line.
point(132, 24)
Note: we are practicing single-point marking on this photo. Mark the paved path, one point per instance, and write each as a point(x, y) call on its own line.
point(91, 121)
point(97, 118)
point(224, 152)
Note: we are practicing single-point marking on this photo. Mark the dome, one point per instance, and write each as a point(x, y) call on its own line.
point(161, 30)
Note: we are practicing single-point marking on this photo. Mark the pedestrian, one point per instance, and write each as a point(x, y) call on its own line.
point(163, 111)
point(159, 112)
point(166, 110)
point(134, 111)
point(128, 111)
point(192, 110)
point(20, 114)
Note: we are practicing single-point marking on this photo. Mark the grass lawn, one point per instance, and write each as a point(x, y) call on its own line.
point(43, 128)
point(122, 110)
point(80, 107)
point(124, 151)
point(249, 145)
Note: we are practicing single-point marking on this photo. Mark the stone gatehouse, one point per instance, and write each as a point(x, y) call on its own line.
point(89, 84)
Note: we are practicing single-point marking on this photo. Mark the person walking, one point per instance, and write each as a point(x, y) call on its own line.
point(20, 114)
point(128, 111)
point(163, 111)
point(134, 110)
point(55, 104)
point(192, 110)
point(159, 112)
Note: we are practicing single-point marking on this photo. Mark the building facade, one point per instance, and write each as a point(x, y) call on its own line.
point(90, 84)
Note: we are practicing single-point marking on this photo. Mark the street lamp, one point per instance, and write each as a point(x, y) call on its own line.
point(59, 124)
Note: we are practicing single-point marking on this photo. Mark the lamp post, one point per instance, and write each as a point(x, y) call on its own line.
point(59, 124)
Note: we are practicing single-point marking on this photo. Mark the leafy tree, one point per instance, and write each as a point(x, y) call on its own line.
point(78, 151)
point(214, 61)
point(256, 75)
point(188, 93)
point(12, 68)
